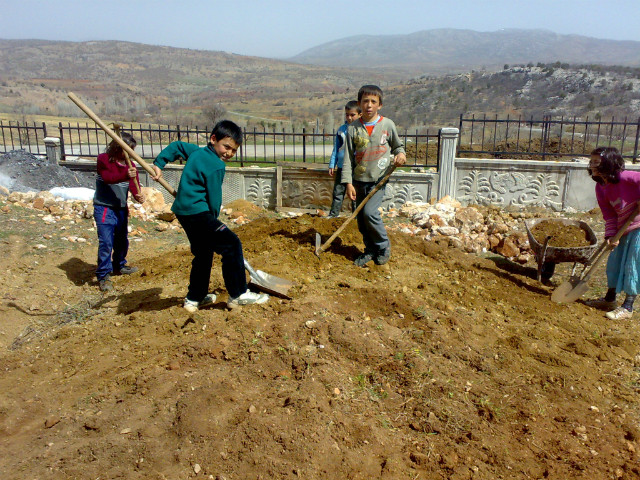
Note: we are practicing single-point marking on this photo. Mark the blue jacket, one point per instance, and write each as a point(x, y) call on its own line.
point(337, 156)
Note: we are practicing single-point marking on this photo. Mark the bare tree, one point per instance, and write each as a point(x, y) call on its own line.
point(214, 113)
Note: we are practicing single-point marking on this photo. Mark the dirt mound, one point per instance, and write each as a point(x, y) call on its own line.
point(22, 171)
point(436, 365)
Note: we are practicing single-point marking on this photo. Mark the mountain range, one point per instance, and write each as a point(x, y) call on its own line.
point(453, 49)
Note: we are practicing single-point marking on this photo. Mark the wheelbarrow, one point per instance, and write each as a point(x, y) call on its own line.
point(545, 253)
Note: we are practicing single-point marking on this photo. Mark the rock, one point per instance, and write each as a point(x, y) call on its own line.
point(468, 219)
point(449, 202)
point(5, 209)
point(252, 409)
point(498, 227)
point(4, 191)
point(197, 469)
point(125, 431)
point(166, 215)
point(448, 231)
point(310, 323)
point(508, 248)
point(154, 201)
point(38, 203)
point(336, 391)
point(162, 227)
point(51, 421)
point(15, 197)
point(494, 241)
point(419, 458)
point(174, 365)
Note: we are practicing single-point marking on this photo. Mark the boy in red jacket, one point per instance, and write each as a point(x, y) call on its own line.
point(110, 211)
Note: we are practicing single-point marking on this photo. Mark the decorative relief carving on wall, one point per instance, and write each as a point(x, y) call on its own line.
point(260, 192)
point(303, 193)
point(539, 190)
point(397, 194)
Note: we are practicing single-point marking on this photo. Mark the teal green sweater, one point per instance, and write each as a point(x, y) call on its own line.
point(200, 188)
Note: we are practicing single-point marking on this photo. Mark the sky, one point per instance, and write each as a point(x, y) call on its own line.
point(281, 29)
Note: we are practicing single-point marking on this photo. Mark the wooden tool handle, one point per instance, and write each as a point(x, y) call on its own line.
point(357, 210)
point(120, 142)
point(614, 239)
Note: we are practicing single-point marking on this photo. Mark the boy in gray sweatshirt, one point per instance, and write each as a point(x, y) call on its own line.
point(371, 142)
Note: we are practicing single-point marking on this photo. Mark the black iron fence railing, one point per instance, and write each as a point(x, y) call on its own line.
point(547, 138)
point(259, 146)
point(29, 135)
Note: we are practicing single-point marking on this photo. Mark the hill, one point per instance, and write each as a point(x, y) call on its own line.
point(136, 79)
point(444, 50)
point(556, 89)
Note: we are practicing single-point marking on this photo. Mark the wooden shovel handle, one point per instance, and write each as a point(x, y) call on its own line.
point(608, 245)
point(120, 142)
point(117, 128)
point(379, 185)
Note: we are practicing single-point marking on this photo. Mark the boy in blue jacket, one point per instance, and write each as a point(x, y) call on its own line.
point(352, 112)
point(197, 206)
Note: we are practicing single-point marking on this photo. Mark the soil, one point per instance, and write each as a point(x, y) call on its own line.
point(438, 365)
point(562, 235)
point(22, 171)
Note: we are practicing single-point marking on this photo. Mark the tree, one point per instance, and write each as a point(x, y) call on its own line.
point(214, 113)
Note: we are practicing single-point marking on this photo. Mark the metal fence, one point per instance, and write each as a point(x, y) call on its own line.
point(547, 138)
point(259, 146)
point(26, 135)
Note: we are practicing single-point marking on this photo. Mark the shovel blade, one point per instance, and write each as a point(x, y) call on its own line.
point(570, 291)
point(318, 244)
point(271, 284)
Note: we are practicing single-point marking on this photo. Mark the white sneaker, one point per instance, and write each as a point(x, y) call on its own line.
point(193, 306)
point(247, 298)
point(619, 313)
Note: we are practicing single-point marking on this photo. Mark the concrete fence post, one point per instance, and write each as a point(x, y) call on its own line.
point(447, 173)
point(52, 145)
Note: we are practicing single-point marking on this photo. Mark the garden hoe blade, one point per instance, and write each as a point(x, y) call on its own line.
point(269, 283)
point(318, 244)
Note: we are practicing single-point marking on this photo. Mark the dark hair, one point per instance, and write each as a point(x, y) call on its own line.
point(370, 90)
point(353, 105)
point(114, 150)
point(611, 164)
point(226, 128)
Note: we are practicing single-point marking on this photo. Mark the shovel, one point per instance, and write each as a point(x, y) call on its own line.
point(127, 149)
point(269, 283)
point(319, 246)
point(578, 285)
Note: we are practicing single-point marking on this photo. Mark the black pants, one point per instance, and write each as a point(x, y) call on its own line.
point(338, 195)
point(207, 236)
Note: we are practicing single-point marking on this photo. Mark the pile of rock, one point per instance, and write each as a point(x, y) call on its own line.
point(153, 208)
point(474, 229)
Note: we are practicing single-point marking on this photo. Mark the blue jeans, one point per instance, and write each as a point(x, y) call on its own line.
point(370, 224)
point(113, 240)
point(338, 194)
point(207, 236)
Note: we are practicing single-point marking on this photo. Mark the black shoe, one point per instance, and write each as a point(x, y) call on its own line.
point(126, 270)
point(331, 215)
point(383, 256)
point(105, 284)
point(363, 259)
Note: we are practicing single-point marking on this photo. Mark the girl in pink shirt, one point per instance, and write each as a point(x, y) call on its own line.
point(618, 192)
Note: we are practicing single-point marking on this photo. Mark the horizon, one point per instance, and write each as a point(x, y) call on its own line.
point(211, 27)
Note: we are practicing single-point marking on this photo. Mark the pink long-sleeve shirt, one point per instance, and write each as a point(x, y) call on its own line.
point(617, 201)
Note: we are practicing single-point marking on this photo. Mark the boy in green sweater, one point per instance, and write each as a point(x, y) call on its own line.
point(197, 206)
point(371, 141)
